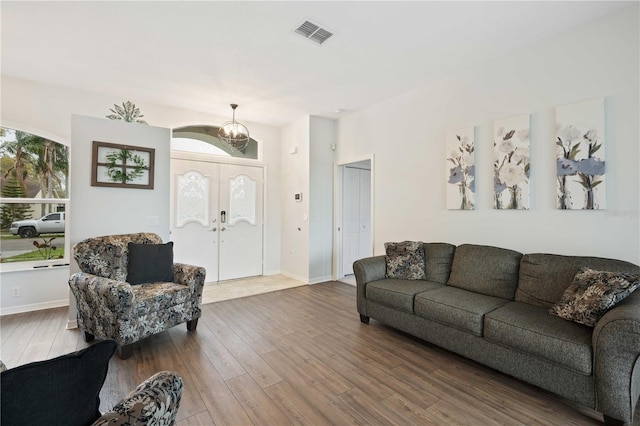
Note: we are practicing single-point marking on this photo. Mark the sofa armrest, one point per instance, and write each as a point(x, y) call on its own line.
point(116, 296)
point(155, 402)
point(367, 270)
point(616, 343)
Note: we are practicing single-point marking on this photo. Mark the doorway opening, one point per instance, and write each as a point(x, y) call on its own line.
point(354, 215)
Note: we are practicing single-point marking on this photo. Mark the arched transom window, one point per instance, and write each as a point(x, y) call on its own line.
point(204, 140)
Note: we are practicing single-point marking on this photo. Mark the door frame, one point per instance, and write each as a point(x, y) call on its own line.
point(207, 158)
point(338, 212)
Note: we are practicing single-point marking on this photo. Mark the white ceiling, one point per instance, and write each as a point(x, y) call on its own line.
point(204, 55)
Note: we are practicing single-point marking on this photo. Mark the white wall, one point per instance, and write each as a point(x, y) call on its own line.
point(407, 135)
point(46, 110)
point(39, 289)
point(307, 168)
point(99, 210)
point(294, 178)
point(322, 133)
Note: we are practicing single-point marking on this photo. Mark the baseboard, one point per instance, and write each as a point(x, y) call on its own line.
point(71, 324)
point(306, 280)
point(321, 280)
point(295, 277)
point(34, 307)
point(266, 273)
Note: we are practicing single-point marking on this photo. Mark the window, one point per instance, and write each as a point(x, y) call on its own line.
point(204, 140)
point(33, 201)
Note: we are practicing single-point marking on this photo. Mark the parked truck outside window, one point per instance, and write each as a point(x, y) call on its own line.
point(52, 223)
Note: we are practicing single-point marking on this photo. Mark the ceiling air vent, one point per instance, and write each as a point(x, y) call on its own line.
point(313, 32)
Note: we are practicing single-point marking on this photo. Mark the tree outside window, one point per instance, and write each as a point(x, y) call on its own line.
point(33, 184)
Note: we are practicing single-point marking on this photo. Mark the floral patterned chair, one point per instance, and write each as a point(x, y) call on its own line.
point(109, 307)
point(154, 402)
point(66, 390)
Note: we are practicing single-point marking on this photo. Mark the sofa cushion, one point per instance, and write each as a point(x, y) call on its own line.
point(530, 329)
point(592, 294)
point(438, 258)
point(544, 277)
point(485, 269)
point(398, 294)
point(457, 308)
point(63, 390)
point(405, 260)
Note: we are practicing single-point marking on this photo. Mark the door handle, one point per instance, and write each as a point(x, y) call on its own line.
point(214, 229)
point(223, 229)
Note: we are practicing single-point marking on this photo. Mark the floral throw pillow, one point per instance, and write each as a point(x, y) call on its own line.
point(592, 294)
point(405, 260)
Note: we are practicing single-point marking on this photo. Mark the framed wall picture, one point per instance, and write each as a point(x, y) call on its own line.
point(511, 164)
point(122, 166)
point(461, 179)
point(580, 159)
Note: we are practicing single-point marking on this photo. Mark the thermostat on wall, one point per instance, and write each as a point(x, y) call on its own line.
point(298, 196)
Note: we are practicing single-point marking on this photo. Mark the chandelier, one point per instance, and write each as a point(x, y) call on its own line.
point(235, 134)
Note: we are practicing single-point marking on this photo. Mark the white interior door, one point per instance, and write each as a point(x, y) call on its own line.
point(364, 249)
point(356, 216)
point(241, 200)
point(194, 219)
point(351, 218)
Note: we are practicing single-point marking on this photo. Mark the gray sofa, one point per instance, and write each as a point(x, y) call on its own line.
point(492, 305)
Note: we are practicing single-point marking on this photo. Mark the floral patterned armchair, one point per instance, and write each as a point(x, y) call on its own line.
point(66, 390)
point(154, 402)
point(111, 308)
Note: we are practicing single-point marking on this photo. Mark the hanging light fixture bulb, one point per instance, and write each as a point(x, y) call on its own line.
point(235, 134)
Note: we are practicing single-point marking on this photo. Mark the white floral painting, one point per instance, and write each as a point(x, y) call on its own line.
point(580, 155)
point(511, 163)
point(461, 181)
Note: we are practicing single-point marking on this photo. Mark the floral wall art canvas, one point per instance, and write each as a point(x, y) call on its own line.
point(580, 155)
point(511, 163)
point(461, 183)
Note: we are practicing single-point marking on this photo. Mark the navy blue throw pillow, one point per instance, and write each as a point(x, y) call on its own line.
point(63, 390)
point(149, 263)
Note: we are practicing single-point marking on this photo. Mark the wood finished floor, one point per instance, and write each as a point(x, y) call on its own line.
point(301, 356)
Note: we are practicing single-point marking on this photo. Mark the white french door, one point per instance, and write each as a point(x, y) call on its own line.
point(194, 219)
point(217, 217)
point(241, 231)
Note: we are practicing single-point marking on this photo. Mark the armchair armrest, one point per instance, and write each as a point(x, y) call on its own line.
point(155, 401)
point(616, 342)
point(115, 295)
point(191, 276)
point(367, 270)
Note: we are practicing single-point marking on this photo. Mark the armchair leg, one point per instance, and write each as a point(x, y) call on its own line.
point(191, 325)
point(125, 351)
point(364, 319)
point(88, 337)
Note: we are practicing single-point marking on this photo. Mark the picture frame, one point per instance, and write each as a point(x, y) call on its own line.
point(580, 155)
point(122, 166)
point(511, 163)
point(460, 169)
